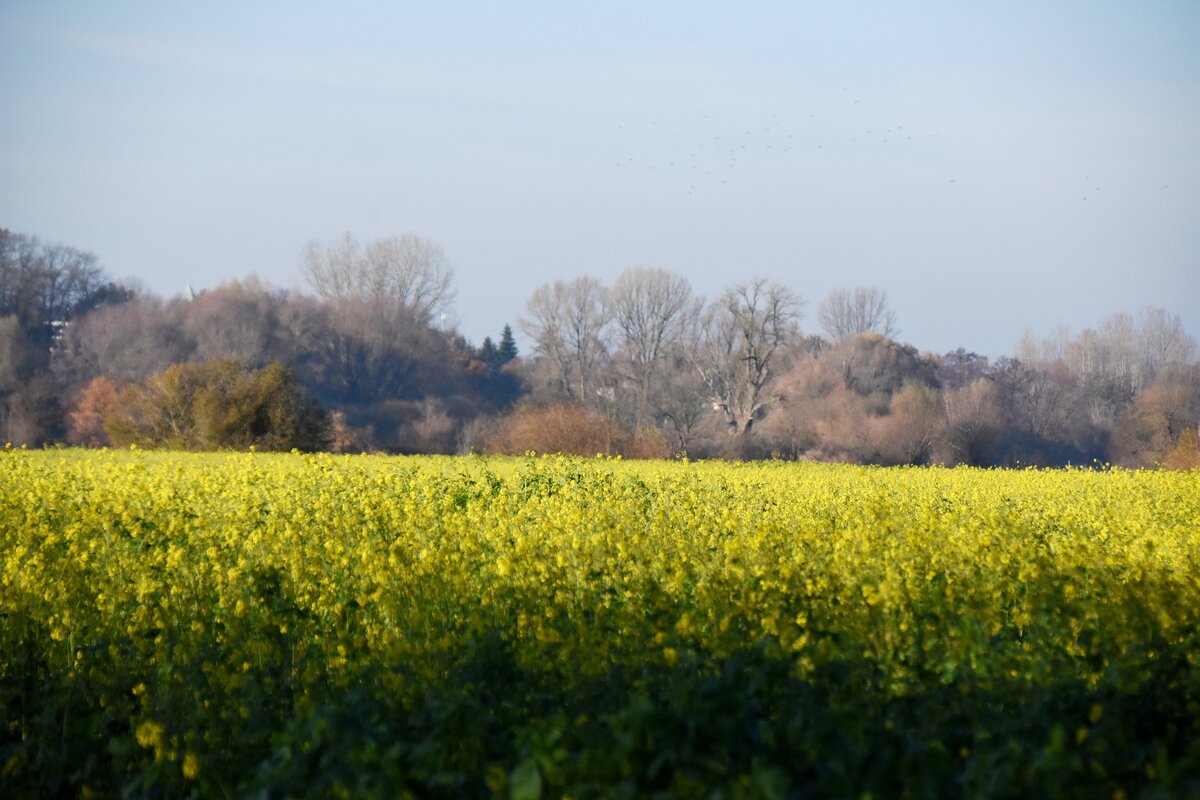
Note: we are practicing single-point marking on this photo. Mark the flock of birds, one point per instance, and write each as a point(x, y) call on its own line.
point(730, 144)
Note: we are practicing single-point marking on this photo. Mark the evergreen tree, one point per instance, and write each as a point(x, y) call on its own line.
point(508, 346)
point(489, 354)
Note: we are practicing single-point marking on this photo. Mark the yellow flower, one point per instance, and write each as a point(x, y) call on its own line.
point(191, 765)
point(150, 734)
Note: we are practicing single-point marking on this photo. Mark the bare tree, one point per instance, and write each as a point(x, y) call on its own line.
point(681, 403)
point(42, 283)
point(238, 320)
point(332, 270)
point(872, 364)
point(960, 368)
point(862, 310)
point(408, 270)
point(546, 324)
point(739, 337)
point(1116, 361)
point(33, 415)
point(1161, 345)
point(652, 309)
point(127, 342)
point(42, 288)
point(1032, 350)
point(373, 350)
point(1157, 420)
point(16, 355)
point(1045, 415)
point(568, 323)
point(973, 418)
point(913, 425)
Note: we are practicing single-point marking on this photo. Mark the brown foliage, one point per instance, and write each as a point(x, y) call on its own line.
point(573, 429)
point(867, 400)
point(802, 406)
point(1186, 454)
point(647, 443)
point(343, 438)
point(1153, 425)
point(911, 428)
point(85, 423)
point(434, 430)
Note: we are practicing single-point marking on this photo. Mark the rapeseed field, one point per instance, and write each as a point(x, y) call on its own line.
point(234, 625)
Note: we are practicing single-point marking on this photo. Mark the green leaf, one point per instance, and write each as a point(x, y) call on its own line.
point(525, 782)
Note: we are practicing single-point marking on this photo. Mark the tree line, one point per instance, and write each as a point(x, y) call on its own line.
point(369, 360)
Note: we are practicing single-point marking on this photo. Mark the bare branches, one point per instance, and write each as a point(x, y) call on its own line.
point(862, 310)
point(739, 336)
point(408, 270)
point(1115, 361)
point(568, 323)
point(652, 309)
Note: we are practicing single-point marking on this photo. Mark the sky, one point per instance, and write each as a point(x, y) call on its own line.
point(995, 167)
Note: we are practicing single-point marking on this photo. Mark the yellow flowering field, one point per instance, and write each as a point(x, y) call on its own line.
point(312, 625)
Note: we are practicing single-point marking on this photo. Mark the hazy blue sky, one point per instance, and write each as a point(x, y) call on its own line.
point(994, 166)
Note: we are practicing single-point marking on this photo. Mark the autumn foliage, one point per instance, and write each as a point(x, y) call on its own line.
point(573, 429)
point(217, 404)
point(86, 420)
point(1186, 454)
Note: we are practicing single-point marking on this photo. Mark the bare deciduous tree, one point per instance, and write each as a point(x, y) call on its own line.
point(973, 418)
point(862, 310)
point(1157, 420)
point(913, 425)
point(239, 320)
point(42, 287)
point(33, 414)
point(546, 324)
point(872, 364)
point(1114, 362)
point(1161, 345)
point(408, 270)
point(652, 309)
point(960, 368)
point(127, 342)
point(681, 403)
point(42, 283)
point(568, 323)
point(16, 355)
point(739, 337)
point(369, 351)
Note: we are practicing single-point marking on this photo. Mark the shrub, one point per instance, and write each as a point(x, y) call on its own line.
point(1186, 454)
point(217, 404)
point(572, 429)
